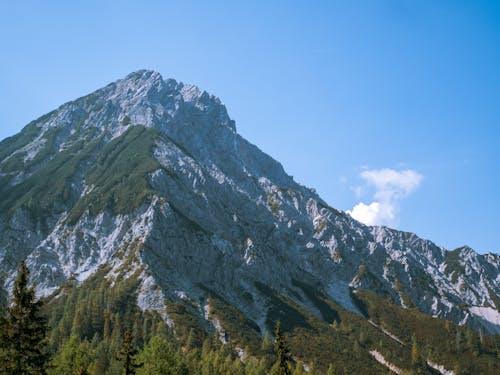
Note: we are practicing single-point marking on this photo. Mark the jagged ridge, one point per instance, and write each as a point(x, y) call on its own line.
point(153, 171)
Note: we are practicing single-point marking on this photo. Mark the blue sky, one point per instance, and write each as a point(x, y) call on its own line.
point(390, 106)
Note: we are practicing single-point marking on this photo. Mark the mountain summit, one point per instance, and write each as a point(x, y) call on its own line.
point(148, 178)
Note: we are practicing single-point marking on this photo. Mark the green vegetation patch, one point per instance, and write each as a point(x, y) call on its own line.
point(273, 203)
point(495, 298)
point(439, 340)
point(120, 174)
point(189, 331)
point(241, 330)
point(21, 139)
point(96, 314)
point(49, 189)
point(98, 308)
point(453, 266)
point(15, 163)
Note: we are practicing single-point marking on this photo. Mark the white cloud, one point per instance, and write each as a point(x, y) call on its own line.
point(392, 184)
point(375, 213)
point(391, 187)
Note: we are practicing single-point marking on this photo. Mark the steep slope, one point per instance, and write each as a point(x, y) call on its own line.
point(149, 176)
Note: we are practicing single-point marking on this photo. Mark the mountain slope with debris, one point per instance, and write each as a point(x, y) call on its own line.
point(149, 176)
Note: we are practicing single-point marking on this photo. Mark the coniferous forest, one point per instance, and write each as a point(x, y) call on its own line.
point(96, 328)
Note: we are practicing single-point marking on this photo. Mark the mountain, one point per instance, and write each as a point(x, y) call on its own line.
point(147, 179)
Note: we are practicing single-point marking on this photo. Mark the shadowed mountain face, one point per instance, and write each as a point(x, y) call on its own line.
point(149, 177)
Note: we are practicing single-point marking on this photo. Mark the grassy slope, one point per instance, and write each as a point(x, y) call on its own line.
point(118, 171)
point(119, 174)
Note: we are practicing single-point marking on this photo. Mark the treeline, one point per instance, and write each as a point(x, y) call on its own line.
point(97, 331)
point(97, 328)
point(456, 347)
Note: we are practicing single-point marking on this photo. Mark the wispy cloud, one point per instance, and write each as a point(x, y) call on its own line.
point(391, 186)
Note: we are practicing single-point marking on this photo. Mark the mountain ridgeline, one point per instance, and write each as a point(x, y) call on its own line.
point(145, 188)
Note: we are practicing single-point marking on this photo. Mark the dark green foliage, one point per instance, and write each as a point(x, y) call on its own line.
point(88, 323)
point(95, 316)
point(336, 347)
point(18, 141)
point(438, 340)
point(49, 147)
point(23, 331)
point(311, 339)
point(241, 330)
point(160, 357)
point(186, 324)
point(418, 364)
point(453, 265)
point(3, 298)
point(120, 174)
point(89, 320)
point(127, 355)
point(74, 357)
point(284, 359)
point(13, 164)
point(50, 188)
point(96, 308)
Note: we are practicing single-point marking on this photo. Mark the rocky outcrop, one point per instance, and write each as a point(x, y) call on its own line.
point(151, 174)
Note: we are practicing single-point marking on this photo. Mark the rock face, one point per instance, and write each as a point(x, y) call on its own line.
point(151, 174)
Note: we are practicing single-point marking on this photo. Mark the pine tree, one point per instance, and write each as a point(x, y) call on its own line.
point(190, 341)
point(74, 357)
point(281, 366)
point(417, 361)
point(3, 297)
point(23, 332)
point(458, 341)
point(159, 357)
point(127, 355)
point(106, 330)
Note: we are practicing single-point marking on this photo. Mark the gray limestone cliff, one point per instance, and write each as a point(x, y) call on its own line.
point(151, 175)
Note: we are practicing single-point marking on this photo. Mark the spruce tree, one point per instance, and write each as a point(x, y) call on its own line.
point(127, 355)
point(23, 341)
point(161, 358)
point(418, 363)
point(3, 297)
point(281, 366)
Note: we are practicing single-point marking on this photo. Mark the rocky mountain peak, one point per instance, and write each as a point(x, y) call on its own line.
point(147, 99)
point(141, 98)
point(144, 79)
point(153, 170)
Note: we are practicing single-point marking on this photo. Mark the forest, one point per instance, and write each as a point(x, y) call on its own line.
point(94, 328)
